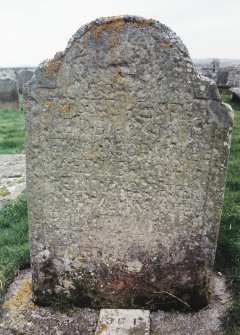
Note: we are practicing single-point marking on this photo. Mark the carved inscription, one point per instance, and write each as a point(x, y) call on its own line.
point(127, 151)
point(123, 322)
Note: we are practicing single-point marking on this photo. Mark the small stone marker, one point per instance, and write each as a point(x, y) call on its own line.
point(9, 93)
point(123, 322)
point(127, 149)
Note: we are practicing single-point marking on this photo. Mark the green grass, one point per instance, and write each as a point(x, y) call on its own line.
point(14, 248)
point(11, 132)
point(228, 251)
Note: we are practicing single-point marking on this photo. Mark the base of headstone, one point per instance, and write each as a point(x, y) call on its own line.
point(22, 316)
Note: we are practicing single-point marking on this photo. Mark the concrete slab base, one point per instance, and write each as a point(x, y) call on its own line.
point(123, 322)
point(21, 316)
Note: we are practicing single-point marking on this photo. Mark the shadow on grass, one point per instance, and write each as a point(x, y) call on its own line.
point(228, 251)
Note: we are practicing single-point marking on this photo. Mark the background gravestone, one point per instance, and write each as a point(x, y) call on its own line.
point(23, 76)
point(127, 149)
point(8, 93)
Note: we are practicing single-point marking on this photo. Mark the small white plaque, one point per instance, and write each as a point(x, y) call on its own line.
point(123, 322)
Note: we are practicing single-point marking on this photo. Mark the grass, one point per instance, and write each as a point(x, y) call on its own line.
point(11, 132)
point(14, 248)
point(228, 251)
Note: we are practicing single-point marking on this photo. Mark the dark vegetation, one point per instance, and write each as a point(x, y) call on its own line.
point(228, 251)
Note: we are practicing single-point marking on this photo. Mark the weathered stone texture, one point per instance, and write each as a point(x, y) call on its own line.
point(127, 150)
point(8, 93)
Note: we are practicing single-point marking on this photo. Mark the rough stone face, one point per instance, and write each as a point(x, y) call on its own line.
point(127, 149)
point(8, 93)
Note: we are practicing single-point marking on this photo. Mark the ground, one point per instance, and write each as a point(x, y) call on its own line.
point(12, 177)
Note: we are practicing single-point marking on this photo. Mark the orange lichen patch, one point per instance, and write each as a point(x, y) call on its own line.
point(48, 104)
point(26, 106)
point(52, 67)
point(99, 162)
point(111, 26)
point(143, 23)
point(67, 84)
point(90, 154)
point(26, 136)
point(102, 328)
point(21, 299)
point(117, 75)
point(165, 46)
point(65, 109)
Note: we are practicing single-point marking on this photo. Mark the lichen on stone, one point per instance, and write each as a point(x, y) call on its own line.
point(21, 299)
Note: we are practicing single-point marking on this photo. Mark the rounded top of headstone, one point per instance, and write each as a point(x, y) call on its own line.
point(115, 23)
point(142, 47)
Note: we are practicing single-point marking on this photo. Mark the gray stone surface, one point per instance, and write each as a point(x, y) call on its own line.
point(127, 149)
point(12, 177)
point(208, 321)
point(222, 77)
point(234, 76)
point(235, 94)
point(8, 93)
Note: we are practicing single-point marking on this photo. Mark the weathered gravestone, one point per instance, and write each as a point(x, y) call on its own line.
point(127, 151)
point(8, 93)
point(23, 76)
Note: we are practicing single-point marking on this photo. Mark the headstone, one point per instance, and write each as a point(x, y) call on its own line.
point(127, 149)
point(222, 77)
point(234, 76)
point(23, 76)
point(235, 94)
point(8, 94)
